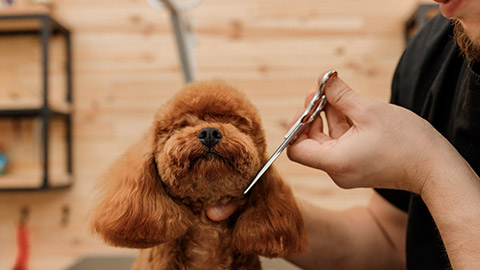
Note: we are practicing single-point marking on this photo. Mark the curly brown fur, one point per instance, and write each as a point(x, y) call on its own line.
point(155, 195)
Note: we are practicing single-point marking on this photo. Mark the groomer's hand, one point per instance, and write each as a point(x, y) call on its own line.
point(370, 144)
point(221, 212)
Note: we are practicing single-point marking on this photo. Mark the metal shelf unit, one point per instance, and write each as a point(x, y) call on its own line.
point(46, 28)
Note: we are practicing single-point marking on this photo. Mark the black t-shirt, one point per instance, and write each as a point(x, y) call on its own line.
point(435, 81)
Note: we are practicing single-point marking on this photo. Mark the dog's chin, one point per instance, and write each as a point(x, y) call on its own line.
point(216, 170)
point(210, 179)
point(209, 157)
point(209, 163)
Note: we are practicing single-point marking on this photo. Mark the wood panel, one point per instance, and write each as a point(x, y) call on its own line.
point(126, 65)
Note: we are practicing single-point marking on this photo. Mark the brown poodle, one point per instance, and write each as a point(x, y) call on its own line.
point(204, 148)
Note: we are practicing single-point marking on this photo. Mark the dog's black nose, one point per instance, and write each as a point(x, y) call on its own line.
point(209, 136)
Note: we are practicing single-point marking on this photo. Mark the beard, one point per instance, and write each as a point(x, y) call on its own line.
point(468, 46)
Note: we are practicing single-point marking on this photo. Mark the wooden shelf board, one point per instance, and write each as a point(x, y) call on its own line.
point(33, 105)
point(31, 180)
point(22, 18)
point(25, 10)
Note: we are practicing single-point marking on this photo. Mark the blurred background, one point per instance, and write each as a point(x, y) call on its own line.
point(108, 65)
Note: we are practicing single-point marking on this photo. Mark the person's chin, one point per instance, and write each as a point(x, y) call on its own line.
point(449, 8)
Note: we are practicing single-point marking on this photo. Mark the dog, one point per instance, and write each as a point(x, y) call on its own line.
point(205, 146)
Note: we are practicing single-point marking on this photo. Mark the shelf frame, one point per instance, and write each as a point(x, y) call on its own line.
point(48, 27)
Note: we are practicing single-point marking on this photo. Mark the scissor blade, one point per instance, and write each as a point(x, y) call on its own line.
point(267, 165)
point(313, 110)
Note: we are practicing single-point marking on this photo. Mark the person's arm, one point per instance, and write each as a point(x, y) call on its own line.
point(453, 198)
point(385, 146)
point(361, 238)
point(367, 237)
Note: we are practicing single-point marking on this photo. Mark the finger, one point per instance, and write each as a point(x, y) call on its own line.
point(221, 212)
point(315, 131)
point(306, 129)
point(308, 146)
point(308, 152)
point(344, 99)
point(337, 122)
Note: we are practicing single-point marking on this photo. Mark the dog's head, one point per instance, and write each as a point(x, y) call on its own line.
point(209, 143)
point(203, 149)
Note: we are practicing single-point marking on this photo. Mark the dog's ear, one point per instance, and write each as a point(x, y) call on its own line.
point(271, 225)
point(134, 210)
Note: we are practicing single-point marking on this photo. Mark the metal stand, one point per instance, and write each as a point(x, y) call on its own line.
point(184, 33)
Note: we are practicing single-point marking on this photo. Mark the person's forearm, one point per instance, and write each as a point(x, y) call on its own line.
point(349, 239)
point(453, 198)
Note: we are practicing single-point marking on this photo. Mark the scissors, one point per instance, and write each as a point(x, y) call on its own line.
point(312, 111)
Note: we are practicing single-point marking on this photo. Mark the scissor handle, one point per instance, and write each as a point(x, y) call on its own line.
point(315, 106)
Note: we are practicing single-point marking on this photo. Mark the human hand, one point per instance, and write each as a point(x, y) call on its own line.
point(370, 144)
point(221, 212)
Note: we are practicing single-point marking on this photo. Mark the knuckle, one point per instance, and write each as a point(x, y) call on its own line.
point(343, 95)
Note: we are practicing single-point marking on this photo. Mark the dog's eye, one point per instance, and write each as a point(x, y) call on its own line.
point(241, 123)
point(181, 124)
point(185, 121)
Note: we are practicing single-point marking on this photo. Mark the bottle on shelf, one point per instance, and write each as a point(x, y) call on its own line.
point(3, 159)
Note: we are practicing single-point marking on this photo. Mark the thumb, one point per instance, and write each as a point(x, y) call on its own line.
point(343, 98)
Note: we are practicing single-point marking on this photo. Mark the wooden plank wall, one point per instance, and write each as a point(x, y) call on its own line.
point(126, 66)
